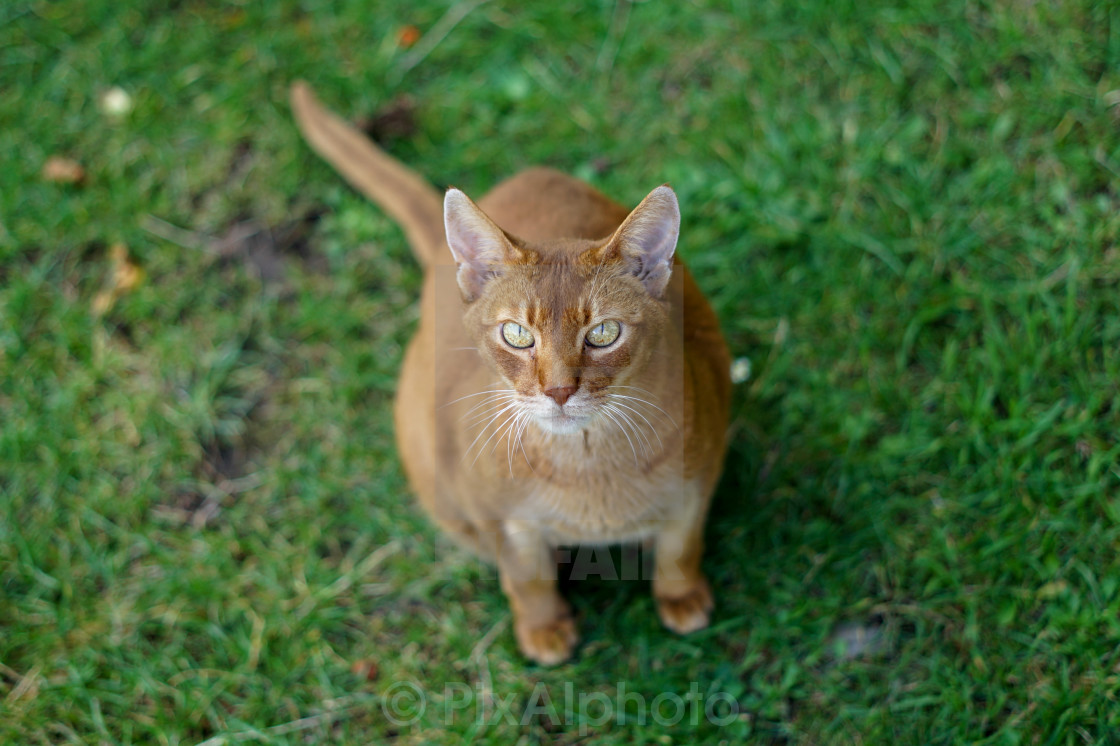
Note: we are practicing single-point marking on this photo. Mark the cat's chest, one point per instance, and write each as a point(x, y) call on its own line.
point(604, 507)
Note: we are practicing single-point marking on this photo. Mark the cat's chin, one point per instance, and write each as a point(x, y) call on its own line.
point(562, 424)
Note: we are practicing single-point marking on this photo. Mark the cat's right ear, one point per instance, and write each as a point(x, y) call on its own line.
point(647, 239)
point(479, 246)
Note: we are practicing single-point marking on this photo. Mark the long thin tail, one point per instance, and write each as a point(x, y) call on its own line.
point(410, 200)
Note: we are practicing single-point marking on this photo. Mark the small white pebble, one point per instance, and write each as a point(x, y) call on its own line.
point(740, 369)
point(855, 640)
point(116, 102)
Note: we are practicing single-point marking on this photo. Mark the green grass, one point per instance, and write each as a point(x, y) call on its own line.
point(906, 214)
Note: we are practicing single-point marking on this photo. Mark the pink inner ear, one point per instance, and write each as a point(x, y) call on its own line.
point(466, 244)
point(660, 240)
point(472, 236)
point(648, 237)
point(478, 245)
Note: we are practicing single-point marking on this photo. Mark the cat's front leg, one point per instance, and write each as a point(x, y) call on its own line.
point(684, 598)
point(542, 619)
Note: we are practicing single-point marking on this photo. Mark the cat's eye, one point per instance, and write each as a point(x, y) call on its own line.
point(604, 335)
point(517, 335)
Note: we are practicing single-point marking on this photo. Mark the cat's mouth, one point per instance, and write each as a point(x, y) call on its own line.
point(562, 423)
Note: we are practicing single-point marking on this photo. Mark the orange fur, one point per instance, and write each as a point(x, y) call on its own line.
point(515, 451)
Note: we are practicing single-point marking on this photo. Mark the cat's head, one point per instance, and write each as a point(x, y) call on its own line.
point(568, 325)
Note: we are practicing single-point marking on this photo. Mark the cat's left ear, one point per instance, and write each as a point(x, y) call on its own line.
point(481, 248)
point(647, 239)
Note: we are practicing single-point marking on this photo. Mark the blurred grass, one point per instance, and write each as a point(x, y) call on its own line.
point(907, 217)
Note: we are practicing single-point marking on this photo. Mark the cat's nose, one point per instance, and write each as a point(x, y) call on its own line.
point(560, 394)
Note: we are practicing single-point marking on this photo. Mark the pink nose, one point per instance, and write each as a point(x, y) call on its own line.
point(560, 394)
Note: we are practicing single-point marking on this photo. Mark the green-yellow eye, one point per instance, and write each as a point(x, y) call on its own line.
point(517, 335)
point(604, 335)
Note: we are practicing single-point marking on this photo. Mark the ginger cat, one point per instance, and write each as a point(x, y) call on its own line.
point(568, 382)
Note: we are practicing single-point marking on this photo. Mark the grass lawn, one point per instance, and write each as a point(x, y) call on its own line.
point(907, 216)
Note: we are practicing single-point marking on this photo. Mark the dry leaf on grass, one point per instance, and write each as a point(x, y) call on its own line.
point(365, 668)
point(63, 170)
point(124, 276)
point(408, 36)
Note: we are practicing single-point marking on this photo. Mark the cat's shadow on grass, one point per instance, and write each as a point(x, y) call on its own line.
point(609, 588)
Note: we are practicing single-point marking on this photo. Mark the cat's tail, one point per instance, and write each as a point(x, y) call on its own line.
point(410, 200)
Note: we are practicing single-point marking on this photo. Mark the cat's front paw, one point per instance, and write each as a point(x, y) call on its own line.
point(689, 612)
point(550, 643)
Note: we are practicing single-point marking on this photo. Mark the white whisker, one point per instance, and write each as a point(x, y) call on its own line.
point(509, 439)
point(643, 401)
point(479, 393)
point(491, 405)
point(513, 406)
point(607, 411)
point(520, 434)
point(486, 427)
point(647, 447)
point(644, 419)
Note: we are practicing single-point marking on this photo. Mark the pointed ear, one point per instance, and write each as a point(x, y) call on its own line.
point(647, 239)
point(479, 246)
